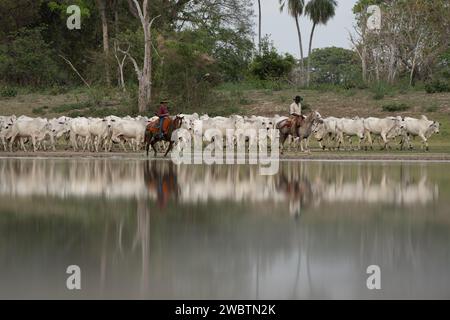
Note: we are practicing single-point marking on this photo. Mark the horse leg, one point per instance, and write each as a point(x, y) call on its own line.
point(153, 147)
point(169, 148)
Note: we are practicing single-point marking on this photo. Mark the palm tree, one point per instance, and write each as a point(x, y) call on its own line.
point(259, 26)
point(320, 12)
point(295, 9)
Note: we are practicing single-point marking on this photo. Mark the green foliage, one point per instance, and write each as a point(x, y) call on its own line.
point(395, 107)
point(8, 92)
point(337, 66)
point(380, 90)
point(437, 86)
point(27, 60)
point(320, 11)
point(232, 52)
point(269, 64)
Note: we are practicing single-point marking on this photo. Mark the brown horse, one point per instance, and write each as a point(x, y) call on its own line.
point(303, 128)
point(152, 134)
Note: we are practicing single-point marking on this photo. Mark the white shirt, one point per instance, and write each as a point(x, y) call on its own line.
point(295, 109)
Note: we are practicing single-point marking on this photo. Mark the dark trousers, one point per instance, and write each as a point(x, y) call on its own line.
point(161, 121)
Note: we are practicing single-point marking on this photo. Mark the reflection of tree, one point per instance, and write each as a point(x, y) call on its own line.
point(142, 237)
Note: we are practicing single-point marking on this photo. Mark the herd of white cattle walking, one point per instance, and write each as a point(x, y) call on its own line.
point(99, 134)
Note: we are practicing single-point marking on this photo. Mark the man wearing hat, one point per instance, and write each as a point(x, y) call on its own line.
point(295, 111)
point(162, 113)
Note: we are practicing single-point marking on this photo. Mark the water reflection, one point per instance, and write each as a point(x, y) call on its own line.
point(305, 184)
point(150, 229)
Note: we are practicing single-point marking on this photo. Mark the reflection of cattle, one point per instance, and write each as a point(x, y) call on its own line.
point(298, 185)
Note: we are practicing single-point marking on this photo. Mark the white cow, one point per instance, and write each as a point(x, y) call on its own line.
point(133, 130)
point(350, 128)
point(386, 128)
point(58, 127)
point(26, 127)
point(100, 132)
point(326, 132)
point(423, 128)
point(79, 128)
point(6, 123)
point(207, 128)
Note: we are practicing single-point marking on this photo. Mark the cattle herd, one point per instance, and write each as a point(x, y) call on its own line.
point(100, 134)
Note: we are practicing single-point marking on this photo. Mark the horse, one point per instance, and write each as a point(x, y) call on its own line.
point(152, 134)
point(304, 128)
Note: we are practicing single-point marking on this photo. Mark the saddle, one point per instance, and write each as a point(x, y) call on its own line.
point(294, 120)
point(153, 126)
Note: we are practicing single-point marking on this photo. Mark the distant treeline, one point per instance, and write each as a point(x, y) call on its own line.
point(182, 49)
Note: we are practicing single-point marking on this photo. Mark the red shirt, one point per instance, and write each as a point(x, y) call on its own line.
point(163, 111)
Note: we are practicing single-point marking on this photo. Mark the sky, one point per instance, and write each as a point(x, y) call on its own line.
point(282, 30)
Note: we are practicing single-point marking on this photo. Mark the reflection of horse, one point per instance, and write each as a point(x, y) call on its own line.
point(170, 124)
point(297, 190)
point(161, 181)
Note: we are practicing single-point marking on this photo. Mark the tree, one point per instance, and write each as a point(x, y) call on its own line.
point(270, 64)
point(101, 5)
point(412, 36)
point(320, 12)
point(28, 60)
point(336, 66)
point(259, 25)
point(295, 9)
point(144, 74)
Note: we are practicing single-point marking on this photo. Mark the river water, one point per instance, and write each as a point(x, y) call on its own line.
point(155, 230)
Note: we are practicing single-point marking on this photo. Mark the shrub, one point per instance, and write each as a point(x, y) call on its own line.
point(269, 64)
point(433, 107)
point(437, 86)
point(379, 90)
point(8, 92)
point(395, 107)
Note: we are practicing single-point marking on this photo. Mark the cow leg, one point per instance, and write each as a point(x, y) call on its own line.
point(122, 144)
point(424, 142)
point(385, 142)
point(73, 141)
point(11, 142)
point(33, 141)
point(22, 143)
point(369, 139)
point(52, 142)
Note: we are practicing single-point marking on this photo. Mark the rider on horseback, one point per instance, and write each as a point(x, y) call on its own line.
point(295, 111)
point(162, 113)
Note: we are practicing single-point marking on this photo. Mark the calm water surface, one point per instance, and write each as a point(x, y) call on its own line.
point(150, 229)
